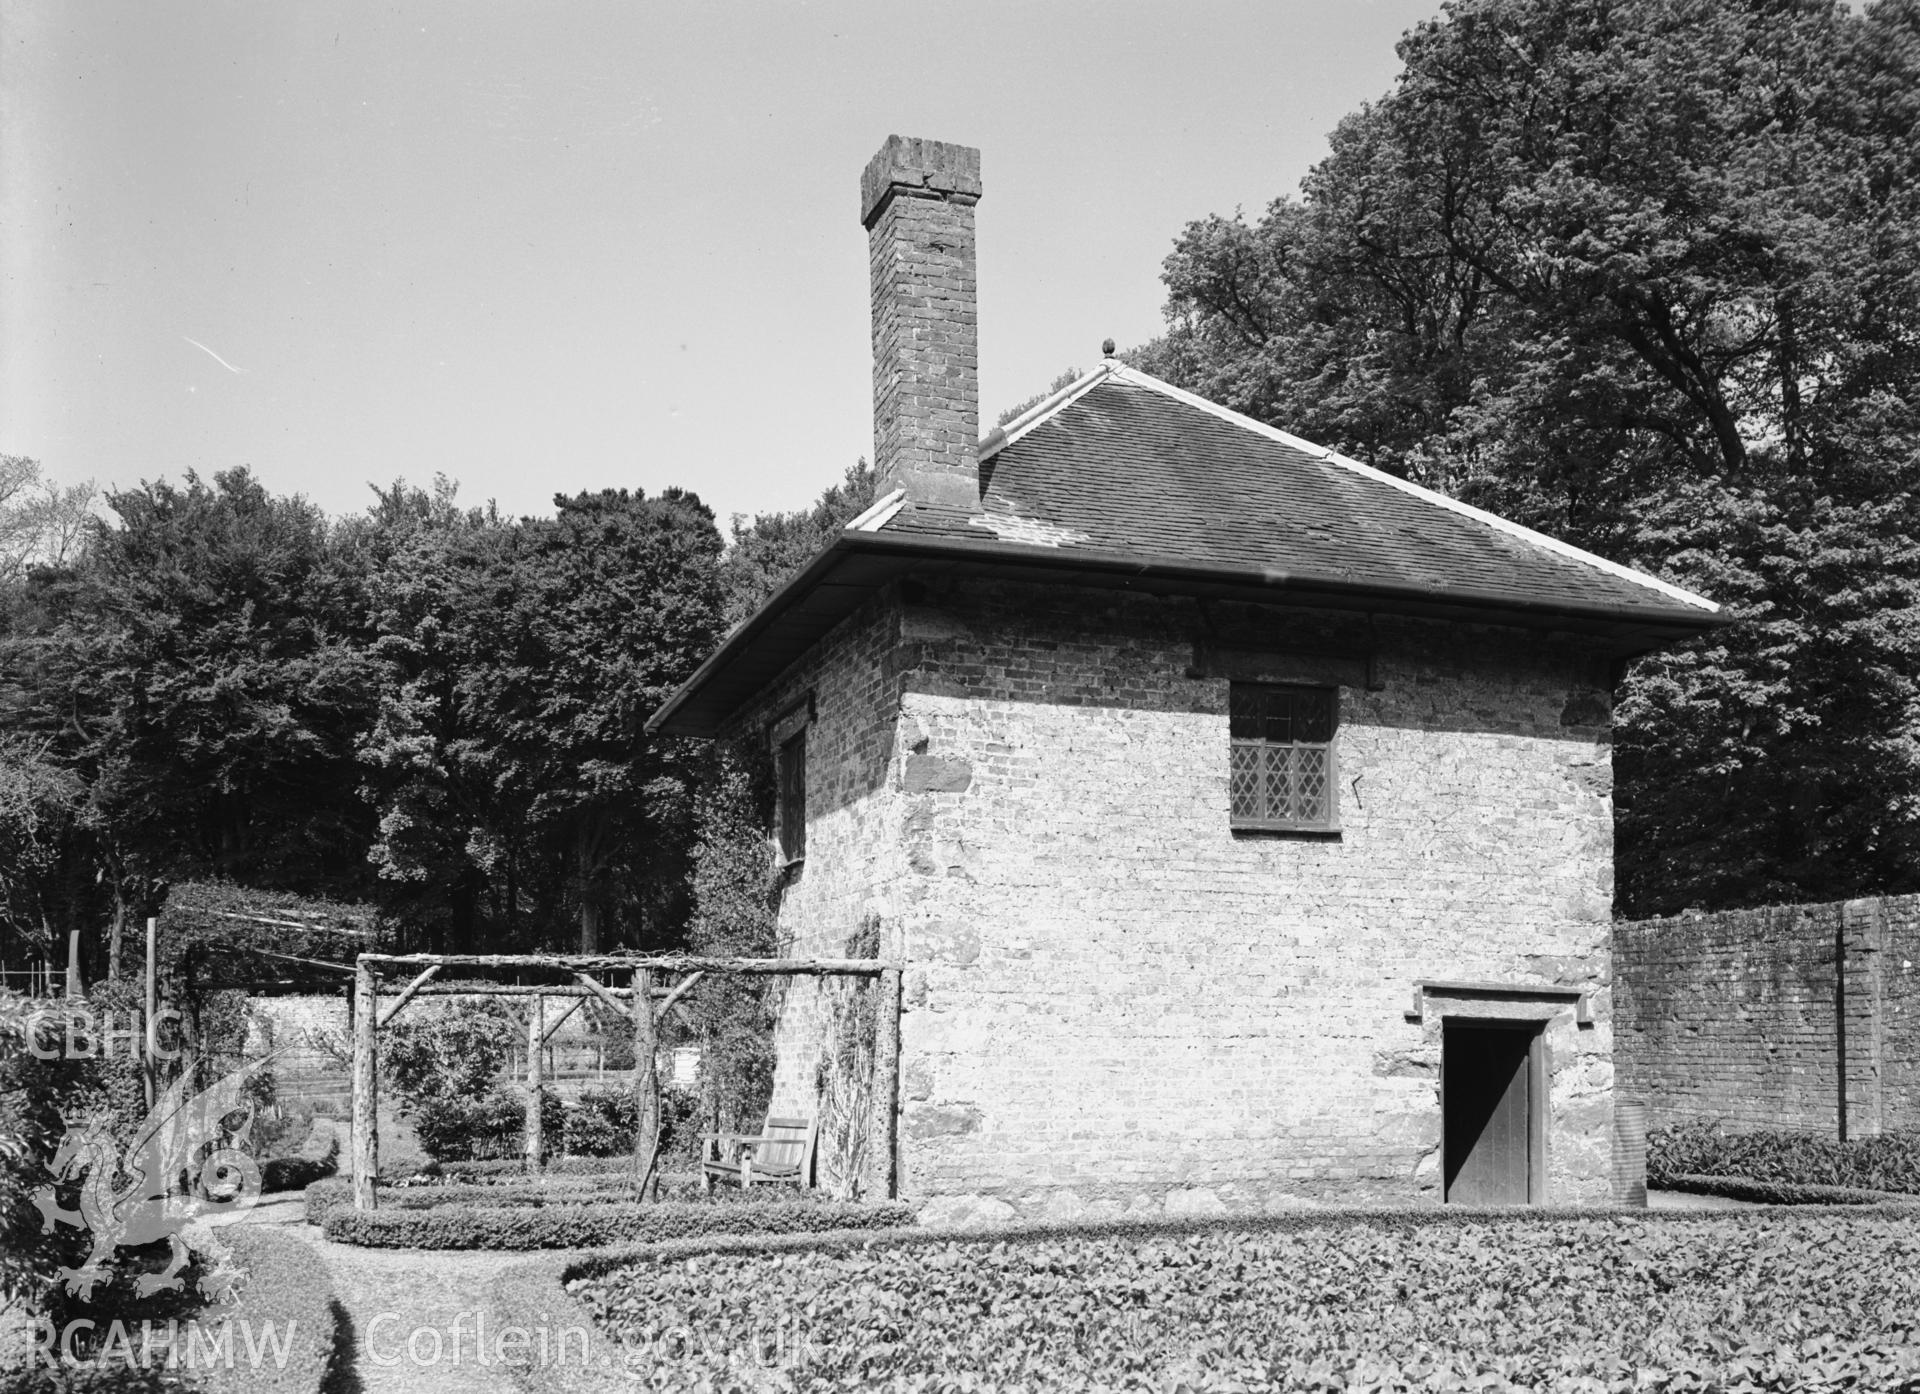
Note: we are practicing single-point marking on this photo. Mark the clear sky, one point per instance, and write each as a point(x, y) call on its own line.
point(548, 247)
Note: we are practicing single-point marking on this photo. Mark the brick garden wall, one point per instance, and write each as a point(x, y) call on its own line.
point(1114, 1000)
point(1754, 1017)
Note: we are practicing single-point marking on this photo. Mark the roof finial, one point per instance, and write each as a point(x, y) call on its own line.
point(1106, 348)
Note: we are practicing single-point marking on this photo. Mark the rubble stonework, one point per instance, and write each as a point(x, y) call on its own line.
point(1114, 1001)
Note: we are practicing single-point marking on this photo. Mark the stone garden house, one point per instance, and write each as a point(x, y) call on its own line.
point(1242, 813)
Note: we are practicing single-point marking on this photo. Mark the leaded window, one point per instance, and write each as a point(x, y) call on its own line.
point(1281, 770)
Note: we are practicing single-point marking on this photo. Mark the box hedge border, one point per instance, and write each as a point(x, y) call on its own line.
point(1780, 1192)
point(514, 1166)
point(577, 1226)
point(328, 1194)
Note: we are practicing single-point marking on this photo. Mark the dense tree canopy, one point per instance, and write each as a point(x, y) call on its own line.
point(429, 706)
point(1644, 274)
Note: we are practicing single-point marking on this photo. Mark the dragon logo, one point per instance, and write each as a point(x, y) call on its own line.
point(165, 1181)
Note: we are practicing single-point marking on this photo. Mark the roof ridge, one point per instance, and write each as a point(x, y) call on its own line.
point(1000, 437)
point(1115, 368)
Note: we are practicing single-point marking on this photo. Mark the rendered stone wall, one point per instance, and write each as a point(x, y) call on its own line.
point(1116, 1001)
point(1754, 1017)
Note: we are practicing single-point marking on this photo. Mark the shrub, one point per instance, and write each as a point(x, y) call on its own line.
point(602, 1124)
point(1444, 1301)
point(280, 1174)
point(492, 1125)
point(1890, 1162)
point(318, 1158)
point(448, 1050)
point(582, 1226)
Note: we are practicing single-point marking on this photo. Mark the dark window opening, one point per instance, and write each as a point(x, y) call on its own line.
point(793, 798)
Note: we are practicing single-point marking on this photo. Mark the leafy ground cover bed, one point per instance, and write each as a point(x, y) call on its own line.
point(1804, 1300)
point(1890, 1162)
point(571, 1224)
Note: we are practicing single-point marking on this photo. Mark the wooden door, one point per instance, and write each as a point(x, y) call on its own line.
point(1486, 1085)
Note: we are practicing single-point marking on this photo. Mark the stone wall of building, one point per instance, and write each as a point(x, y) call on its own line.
point(1757, 1018)
point(831, 900)
point(1117, 1001)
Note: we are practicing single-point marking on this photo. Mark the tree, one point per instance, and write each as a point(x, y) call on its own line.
point(451, 846)
point(1645, 274)
point(521, 662)
point(624, 602)
point(200, 673)
point(41, 807)
point(41, 524)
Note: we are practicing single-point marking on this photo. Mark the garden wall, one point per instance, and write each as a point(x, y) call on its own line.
point(1802, 1017)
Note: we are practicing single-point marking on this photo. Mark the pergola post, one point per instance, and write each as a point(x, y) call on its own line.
point(646, 1083)
point(536, 1083)
point(366, 1127)
point(882, 1183)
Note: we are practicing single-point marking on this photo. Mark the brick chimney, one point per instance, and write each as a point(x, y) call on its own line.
point(916, 202)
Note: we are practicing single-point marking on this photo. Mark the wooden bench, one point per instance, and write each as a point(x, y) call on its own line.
point(781, 1152)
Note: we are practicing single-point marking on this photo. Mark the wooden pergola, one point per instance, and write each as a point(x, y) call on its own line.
point(645, 999)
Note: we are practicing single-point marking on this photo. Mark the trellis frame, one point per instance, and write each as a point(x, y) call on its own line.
point(638, 1001)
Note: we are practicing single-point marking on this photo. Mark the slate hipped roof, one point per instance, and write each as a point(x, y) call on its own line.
point(1121, 479)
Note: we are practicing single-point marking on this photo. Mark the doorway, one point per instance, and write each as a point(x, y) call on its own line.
point(1492, 1103)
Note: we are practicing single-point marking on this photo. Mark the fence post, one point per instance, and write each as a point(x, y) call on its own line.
point(882, 1182)
point(536, 1082)
point(646, 1084)
point(366, 1135)
point(153, 1005)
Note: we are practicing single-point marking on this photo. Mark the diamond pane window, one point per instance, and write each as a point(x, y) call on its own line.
point(1280, 767)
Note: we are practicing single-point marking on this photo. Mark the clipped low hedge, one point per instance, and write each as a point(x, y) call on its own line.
point(287, 1285)
point(1763, 1300)
point(1778, 1192)
point(1889, 1162)
point(515, 1166)
point(577, 1188)
point(577, 1226)
point(322, 1196)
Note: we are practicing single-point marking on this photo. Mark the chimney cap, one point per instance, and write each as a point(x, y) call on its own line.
point(918, 168)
